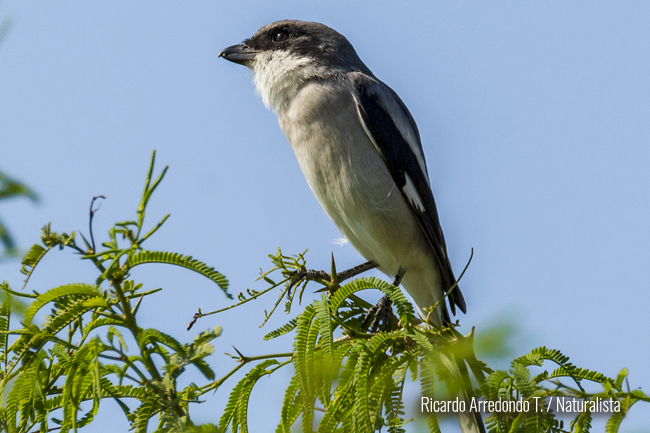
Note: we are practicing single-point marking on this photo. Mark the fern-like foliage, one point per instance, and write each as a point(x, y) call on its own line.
point(284, 329)
point(549, 393)
point(357, 379)
point(186, 262)
point(10, 188)
point(236, 411)
point(56, 370)
point(77, 356)
point(69, 291)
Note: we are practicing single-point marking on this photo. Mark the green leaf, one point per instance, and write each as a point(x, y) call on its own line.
point(284, 329)
point(615, 420)
point(79, 382)
point(7, 240)
point(348, 289)
point(5, 320)
point(25, 394)
point(80, 289)
point(577, 373)
point(494, 383)
point(290, 407)
point(405, 310)
point(10, 187)
point(195, 352)
point(582, 423)
point(147, 336)
point(123, 391)
point(207, 336)
point(31, 259)
point(304, 342)
point(62, 318)
point(524, 384)
point(236, 411)
point(325, 332)
point(99, 322)
point(618, 383)
point(538, 355)
point(186, 262)
point(427, 389)
point(144, 413)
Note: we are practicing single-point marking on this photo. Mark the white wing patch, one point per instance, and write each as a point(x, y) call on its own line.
point(412, 194)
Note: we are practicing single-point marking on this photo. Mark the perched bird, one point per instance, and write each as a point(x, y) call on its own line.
point(359, 149)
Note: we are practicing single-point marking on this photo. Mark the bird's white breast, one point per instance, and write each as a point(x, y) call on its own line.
point(348, 177)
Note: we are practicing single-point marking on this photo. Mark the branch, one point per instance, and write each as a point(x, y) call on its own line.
point(243, 360)
point(90, 220)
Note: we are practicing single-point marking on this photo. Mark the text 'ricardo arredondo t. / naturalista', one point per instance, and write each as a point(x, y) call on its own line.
point(555, 404)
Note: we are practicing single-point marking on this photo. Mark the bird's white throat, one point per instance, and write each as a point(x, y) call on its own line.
point(277, 77)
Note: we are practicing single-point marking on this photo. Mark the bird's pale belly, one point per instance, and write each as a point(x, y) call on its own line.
point(359, 195)
point(353, 185)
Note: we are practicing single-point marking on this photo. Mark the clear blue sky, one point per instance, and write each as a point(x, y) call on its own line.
point(534, 119)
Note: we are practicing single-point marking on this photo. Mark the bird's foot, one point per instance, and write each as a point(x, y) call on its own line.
point(309, 275)
point(330, 280)
point(381, 314)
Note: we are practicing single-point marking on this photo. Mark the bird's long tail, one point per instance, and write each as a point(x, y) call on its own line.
point(459, 385)
point(453, 362)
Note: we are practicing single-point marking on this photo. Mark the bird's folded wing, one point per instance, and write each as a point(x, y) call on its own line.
point(393, 132)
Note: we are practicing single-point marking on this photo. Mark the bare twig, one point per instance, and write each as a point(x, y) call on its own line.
point(90, 221)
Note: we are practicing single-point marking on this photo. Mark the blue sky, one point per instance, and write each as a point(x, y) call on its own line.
point(533, 117)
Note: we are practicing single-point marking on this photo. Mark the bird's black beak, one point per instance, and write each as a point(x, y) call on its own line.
point(242, 54)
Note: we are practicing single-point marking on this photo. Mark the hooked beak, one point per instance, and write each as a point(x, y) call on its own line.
point(242, 54)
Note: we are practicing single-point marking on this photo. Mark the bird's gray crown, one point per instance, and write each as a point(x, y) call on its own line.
point(313, 40)
point(286, 54)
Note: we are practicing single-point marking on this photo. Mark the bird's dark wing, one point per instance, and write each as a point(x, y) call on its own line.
point(393, 131)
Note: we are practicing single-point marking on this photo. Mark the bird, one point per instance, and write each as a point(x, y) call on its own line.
point(359, 149)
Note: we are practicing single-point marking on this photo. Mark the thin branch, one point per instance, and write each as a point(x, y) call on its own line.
point(90, 221)
point(243, 361)
point(199, 315)
point(137, 305)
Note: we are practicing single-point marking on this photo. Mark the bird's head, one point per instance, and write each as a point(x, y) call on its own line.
point(285, 54)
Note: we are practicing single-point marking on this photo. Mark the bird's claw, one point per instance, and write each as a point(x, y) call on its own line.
point(329, 280)
point(308, 275)
point(382, 313)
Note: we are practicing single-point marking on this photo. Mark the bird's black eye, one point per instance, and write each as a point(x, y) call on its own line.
point(280, 36)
